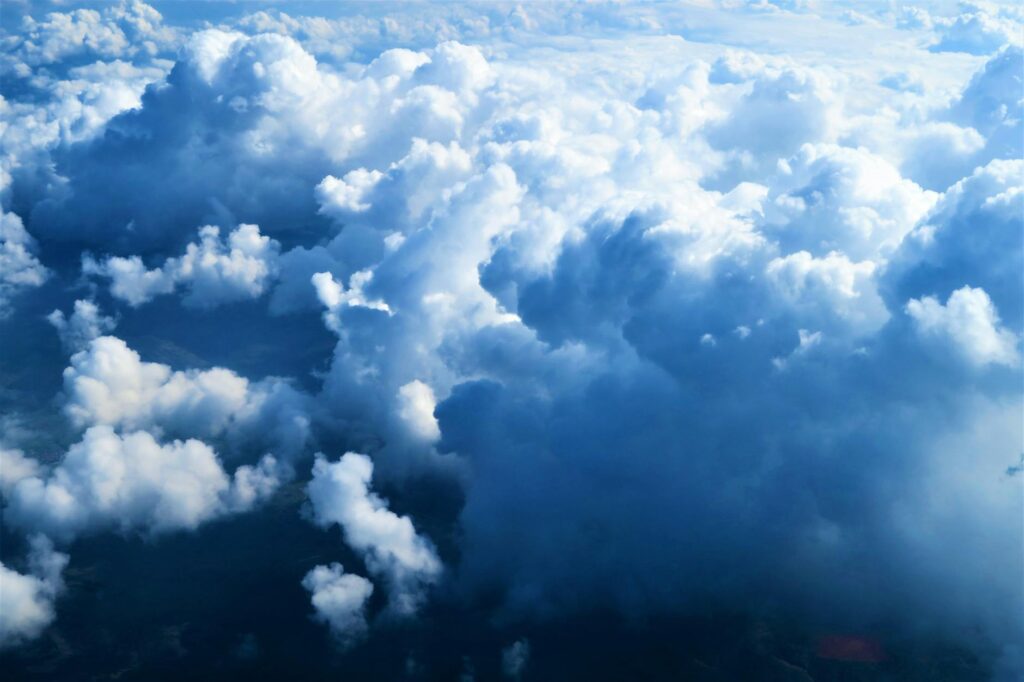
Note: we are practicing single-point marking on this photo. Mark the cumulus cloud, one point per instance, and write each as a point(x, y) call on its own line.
point(85, 323)
point(132, 483)
point(699, 324)
point(14, 466)
point(340, 600)
point(339, 493)
point(19, 267)
point(109, 384)
point(990, 104)
point(971, 237)
point(982, 29)
point(970, 323)
point(26, 599)
point(213, 271)
point(119, 30)
point(836, 198)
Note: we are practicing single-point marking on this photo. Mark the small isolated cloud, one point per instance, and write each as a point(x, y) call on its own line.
point(340, 601)
point(339, 492)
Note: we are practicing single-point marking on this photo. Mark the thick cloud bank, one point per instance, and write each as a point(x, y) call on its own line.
point(697, 308)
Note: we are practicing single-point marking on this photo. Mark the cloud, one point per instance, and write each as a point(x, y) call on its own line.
point(132, 483)
point(119, 30)
point(214, 271)
point(692, 308)
point(19, 267)
point(970, 323)
point(830, 198)
point(983, 29)
point(989, 104)
point(971, 237)
point(514, 659)
point(85, 324)
point(340, 601)
point(833, 285)
point(339, 492)
point(109, 384)
point(14, 466)
point(26, 599)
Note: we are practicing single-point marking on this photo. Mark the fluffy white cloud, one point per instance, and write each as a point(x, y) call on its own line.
point(416, 403)
point(26, 599)
point(970, 323)
point(830, 286)
point(663, 299)
point(119, 30)
point(133, 483)
point(831, 198)
point(340, 493)
point(347, 194)
point(982, 29)
point(14, 466)
point(19, 267)
point(85, 324)
point(971, 237)
point(340, 600)
point(109, 384)
point(213, 271)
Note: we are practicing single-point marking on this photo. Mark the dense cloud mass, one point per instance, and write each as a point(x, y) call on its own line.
point(637, 314)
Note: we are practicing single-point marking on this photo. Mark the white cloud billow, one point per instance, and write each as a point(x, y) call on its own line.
point(85, 323)
point(668, 303)
point(340, 494)
point(19, 267)
point(132, 483)
point(26, 599)
point(214, 271)
point(340, 600)
point(109, 384)
point(969, 323)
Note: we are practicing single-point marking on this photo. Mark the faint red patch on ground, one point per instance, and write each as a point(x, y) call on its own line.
point(851, 648)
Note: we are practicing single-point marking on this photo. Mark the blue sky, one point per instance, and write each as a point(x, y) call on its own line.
point(518, 316)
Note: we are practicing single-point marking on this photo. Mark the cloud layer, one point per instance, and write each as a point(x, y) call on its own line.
point(695, 307)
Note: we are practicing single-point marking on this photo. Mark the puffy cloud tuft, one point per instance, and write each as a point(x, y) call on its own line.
point(19, 267)
point(340, 601)
point(26, 599)
point(109, 384)
point(85, 324)
point(132, 483)
point(969, 323)
point(214, 271)
point(340, 493)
